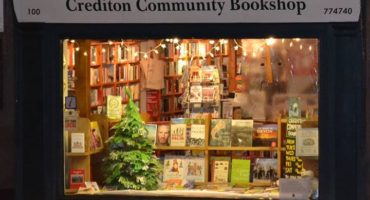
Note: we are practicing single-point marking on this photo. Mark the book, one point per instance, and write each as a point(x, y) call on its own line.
point(207, 73)
point(152, 132)
point(195, 74)
point(220, 169)
point(114, 107)
point(240, 170)
point(265, 135)
point(307, 142)
point(173, 171)
point(265, 170)
point(194, 169)
point(109, 73)
point(77, 142)
point(227, 109)
point(178, 132)
point(294, 107)
point(220, 132)
point(197, 132)
point(163, 135)
point(76, 178)
point(96, 141)
point(208, 93)
point(241, 133)
point(195, 94)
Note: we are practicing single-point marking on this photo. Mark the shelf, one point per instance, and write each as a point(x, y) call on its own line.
point(180, 148)
point(128, 81)
point(108, 84)
point(95, 85)
point(94, 65)
point(243, 148)
point(174, 112)
point(172, 94)
point(173, 76)
point(133, 62)
point(70, 154)
point(95, 106)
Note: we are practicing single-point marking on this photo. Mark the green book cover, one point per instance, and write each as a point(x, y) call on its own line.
point(240, 171)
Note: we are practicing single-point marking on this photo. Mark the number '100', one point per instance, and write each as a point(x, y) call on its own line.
point(34, 11)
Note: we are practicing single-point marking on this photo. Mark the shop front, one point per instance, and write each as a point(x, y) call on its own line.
point(190, 99)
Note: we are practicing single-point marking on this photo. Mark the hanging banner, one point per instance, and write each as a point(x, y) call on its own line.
point(186, 11)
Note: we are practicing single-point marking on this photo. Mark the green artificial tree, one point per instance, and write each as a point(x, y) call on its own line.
point(131, 163)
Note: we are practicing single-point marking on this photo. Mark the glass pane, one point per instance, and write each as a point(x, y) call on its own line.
point(192, 117)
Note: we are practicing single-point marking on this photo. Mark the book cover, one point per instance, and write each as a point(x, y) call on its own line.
point(178, 132)
point(77, 142)
point(163, 135)
point(195, 74)
point(194, 169)
point(208, 93)
point(76, 178)
point(152, 132)
point(196, 94)
point(294, 107)
point(96, 140)
point(197, 132)
point(114, 107)
point(220, 132)
point(241, 133)
point(240, 170)
point(307, 142)
point(265, 135)
point(173, 171)
point(220, 169)
point(227, 109)
point(265, 169)
point(207, 73)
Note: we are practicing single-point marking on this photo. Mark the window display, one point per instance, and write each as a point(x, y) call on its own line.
point(191, 117)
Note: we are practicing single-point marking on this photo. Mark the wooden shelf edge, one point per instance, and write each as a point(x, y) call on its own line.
point(179, 148)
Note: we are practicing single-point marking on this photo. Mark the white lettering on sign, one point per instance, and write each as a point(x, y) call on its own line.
point(186, 11)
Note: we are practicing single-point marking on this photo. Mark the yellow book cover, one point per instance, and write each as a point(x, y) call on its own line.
point(96, 141)
point(114, 107)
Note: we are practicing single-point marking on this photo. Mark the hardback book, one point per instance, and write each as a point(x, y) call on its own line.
point(114, 107)
point(220, 169)
point(241, 133)
point(220, 132)
point(265, 169)
point(173, 171)
point(77, 142)
point(265, 135)
point(194, 169)
point(197, 132)
point(163, 134)
point(178, 132)
point(96, 141)
point(195, 74)
point(240, 170)
point(195, 94)
point(208, 93)
point(152, 132)
point(307, 142)
point(76, 178)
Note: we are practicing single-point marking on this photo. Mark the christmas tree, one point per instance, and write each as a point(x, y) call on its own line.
point(131, 163)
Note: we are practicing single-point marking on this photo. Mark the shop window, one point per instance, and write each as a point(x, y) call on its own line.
point(236, 118)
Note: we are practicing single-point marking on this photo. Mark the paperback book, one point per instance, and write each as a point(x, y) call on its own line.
point(163, 135)
point(195, 74)
point(265, 135)
point(96, 141)
point(78, 142)
point(196, 94)
point(307, 142)
point(173, 171)
point(241, 133)
point(220, 169)
point(265, 169)
point(194, 169)
point(178, 132)
point(220, 132)
point(197, 133)
point(76, 178)
point(208, 93)
point(152, 132)
point(240, 171)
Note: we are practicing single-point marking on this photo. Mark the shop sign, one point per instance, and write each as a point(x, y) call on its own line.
point(186, 11)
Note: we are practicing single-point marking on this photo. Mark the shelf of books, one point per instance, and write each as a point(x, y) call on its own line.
point(209, 151)
point(114, 66)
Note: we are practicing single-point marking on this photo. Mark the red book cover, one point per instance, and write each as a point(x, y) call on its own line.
point(76, 178)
